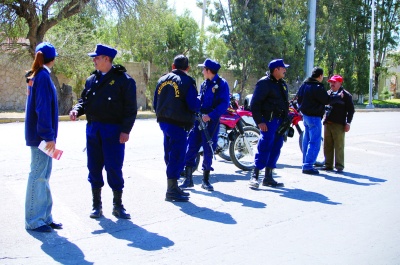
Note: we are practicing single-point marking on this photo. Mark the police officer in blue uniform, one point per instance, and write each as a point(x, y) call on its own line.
point(175, 103)
point(109, 102)
point(214, 98)
point(270, 106)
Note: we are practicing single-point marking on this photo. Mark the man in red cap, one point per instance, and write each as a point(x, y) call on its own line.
point(337, 123)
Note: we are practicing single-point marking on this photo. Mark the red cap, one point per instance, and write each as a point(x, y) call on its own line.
point(336, 78)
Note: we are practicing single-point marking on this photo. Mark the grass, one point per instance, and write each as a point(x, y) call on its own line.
point(389, 103)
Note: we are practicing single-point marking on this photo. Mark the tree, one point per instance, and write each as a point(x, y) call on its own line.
point(40, 16)
point(156, 36)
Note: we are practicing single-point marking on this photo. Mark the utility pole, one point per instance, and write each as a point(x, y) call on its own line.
point(371, 59)
point(310, 41)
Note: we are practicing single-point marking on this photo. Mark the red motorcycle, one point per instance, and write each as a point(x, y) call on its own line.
point(238, 137)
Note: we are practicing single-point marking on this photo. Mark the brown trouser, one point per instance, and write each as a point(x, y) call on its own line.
point(334, 145)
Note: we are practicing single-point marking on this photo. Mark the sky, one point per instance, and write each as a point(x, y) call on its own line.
point(181, 5)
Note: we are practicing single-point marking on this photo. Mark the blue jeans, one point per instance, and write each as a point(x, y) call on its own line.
point(38, 202)
point(311, 140)
point(175, 142)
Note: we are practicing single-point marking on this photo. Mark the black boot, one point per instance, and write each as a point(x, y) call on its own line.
point(188, 182)
point(97, 205)
point(174, 192)
point(268, 180)
point(206, 183)
point(119, 210)
point(253, 183)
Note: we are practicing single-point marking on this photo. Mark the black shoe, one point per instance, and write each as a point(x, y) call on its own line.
point(339, 170)
point(310, 171)
point(272, 183)
point(183, 193)
point(207, 186)
point(56, 225)
point(174, 196)
point(120, 212)
point(327, 168)
point(97, 212)
point(43, 229)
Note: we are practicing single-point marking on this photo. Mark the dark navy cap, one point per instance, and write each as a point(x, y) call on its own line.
point(214, 65)
point(277, 63)
point(102, 49)
point(48, 50)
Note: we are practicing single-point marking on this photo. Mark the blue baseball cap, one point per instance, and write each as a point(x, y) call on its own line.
point(277, 63)
point(214, 65)
point(48, 50)
point(102, 49)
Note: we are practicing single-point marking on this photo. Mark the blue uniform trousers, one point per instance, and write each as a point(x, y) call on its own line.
point(105, 151)
point(269, 146)
point(175, 142)
point(198, 139)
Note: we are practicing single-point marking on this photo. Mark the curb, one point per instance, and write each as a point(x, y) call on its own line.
point(144, 115)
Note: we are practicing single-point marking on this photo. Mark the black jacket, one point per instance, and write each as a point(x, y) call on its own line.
point(110, 100)
point(270, 99)
point(175, 99)
point(342, 112)
point(312, 98)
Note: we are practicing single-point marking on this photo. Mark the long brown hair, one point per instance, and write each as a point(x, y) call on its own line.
point(37, 64)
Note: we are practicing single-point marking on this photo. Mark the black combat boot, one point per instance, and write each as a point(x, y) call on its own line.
point(188, 182)
point(174, 192)
point(206, 183)
point(97, 205)
point(119, 210)
point(268, 180)
point(253, 183)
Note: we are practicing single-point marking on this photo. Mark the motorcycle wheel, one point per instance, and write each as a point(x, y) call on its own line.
point(239, 154)
point(301, 141)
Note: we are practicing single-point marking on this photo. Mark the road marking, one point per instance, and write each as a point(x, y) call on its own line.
point(382, 142)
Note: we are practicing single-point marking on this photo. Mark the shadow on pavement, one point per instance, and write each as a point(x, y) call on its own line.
point(358, 176)
point(138, 236)
point(337, 177)
point(302, 195)
point(230, 198)
point(205, 213)
point(60, 249)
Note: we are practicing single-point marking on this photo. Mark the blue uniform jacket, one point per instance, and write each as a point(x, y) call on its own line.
point(41, 117)
point(214, 96)
point(110, 100)
point(270, 99)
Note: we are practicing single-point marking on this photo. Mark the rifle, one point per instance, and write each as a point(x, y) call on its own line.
point(203, 127)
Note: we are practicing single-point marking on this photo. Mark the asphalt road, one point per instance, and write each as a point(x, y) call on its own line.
point(348, 218)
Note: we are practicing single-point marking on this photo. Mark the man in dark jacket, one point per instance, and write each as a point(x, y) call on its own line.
point(312, 98)
point(336, 124)
point(175, 103)
point(109, 102)
point(270, 107)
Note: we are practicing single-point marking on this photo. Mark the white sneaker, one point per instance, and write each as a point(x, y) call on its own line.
point(253, 183)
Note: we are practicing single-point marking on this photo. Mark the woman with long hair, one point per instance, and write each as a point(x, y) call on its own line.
point(41, 124)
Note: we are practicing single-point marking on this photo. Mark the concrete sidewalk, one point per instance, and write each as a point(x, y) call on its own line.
point(7, 117)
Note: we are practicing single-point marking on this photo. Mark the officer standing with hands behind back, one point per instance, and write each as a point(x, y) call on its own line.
point(109, 102)
point(214, 98)
point(270, 107)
